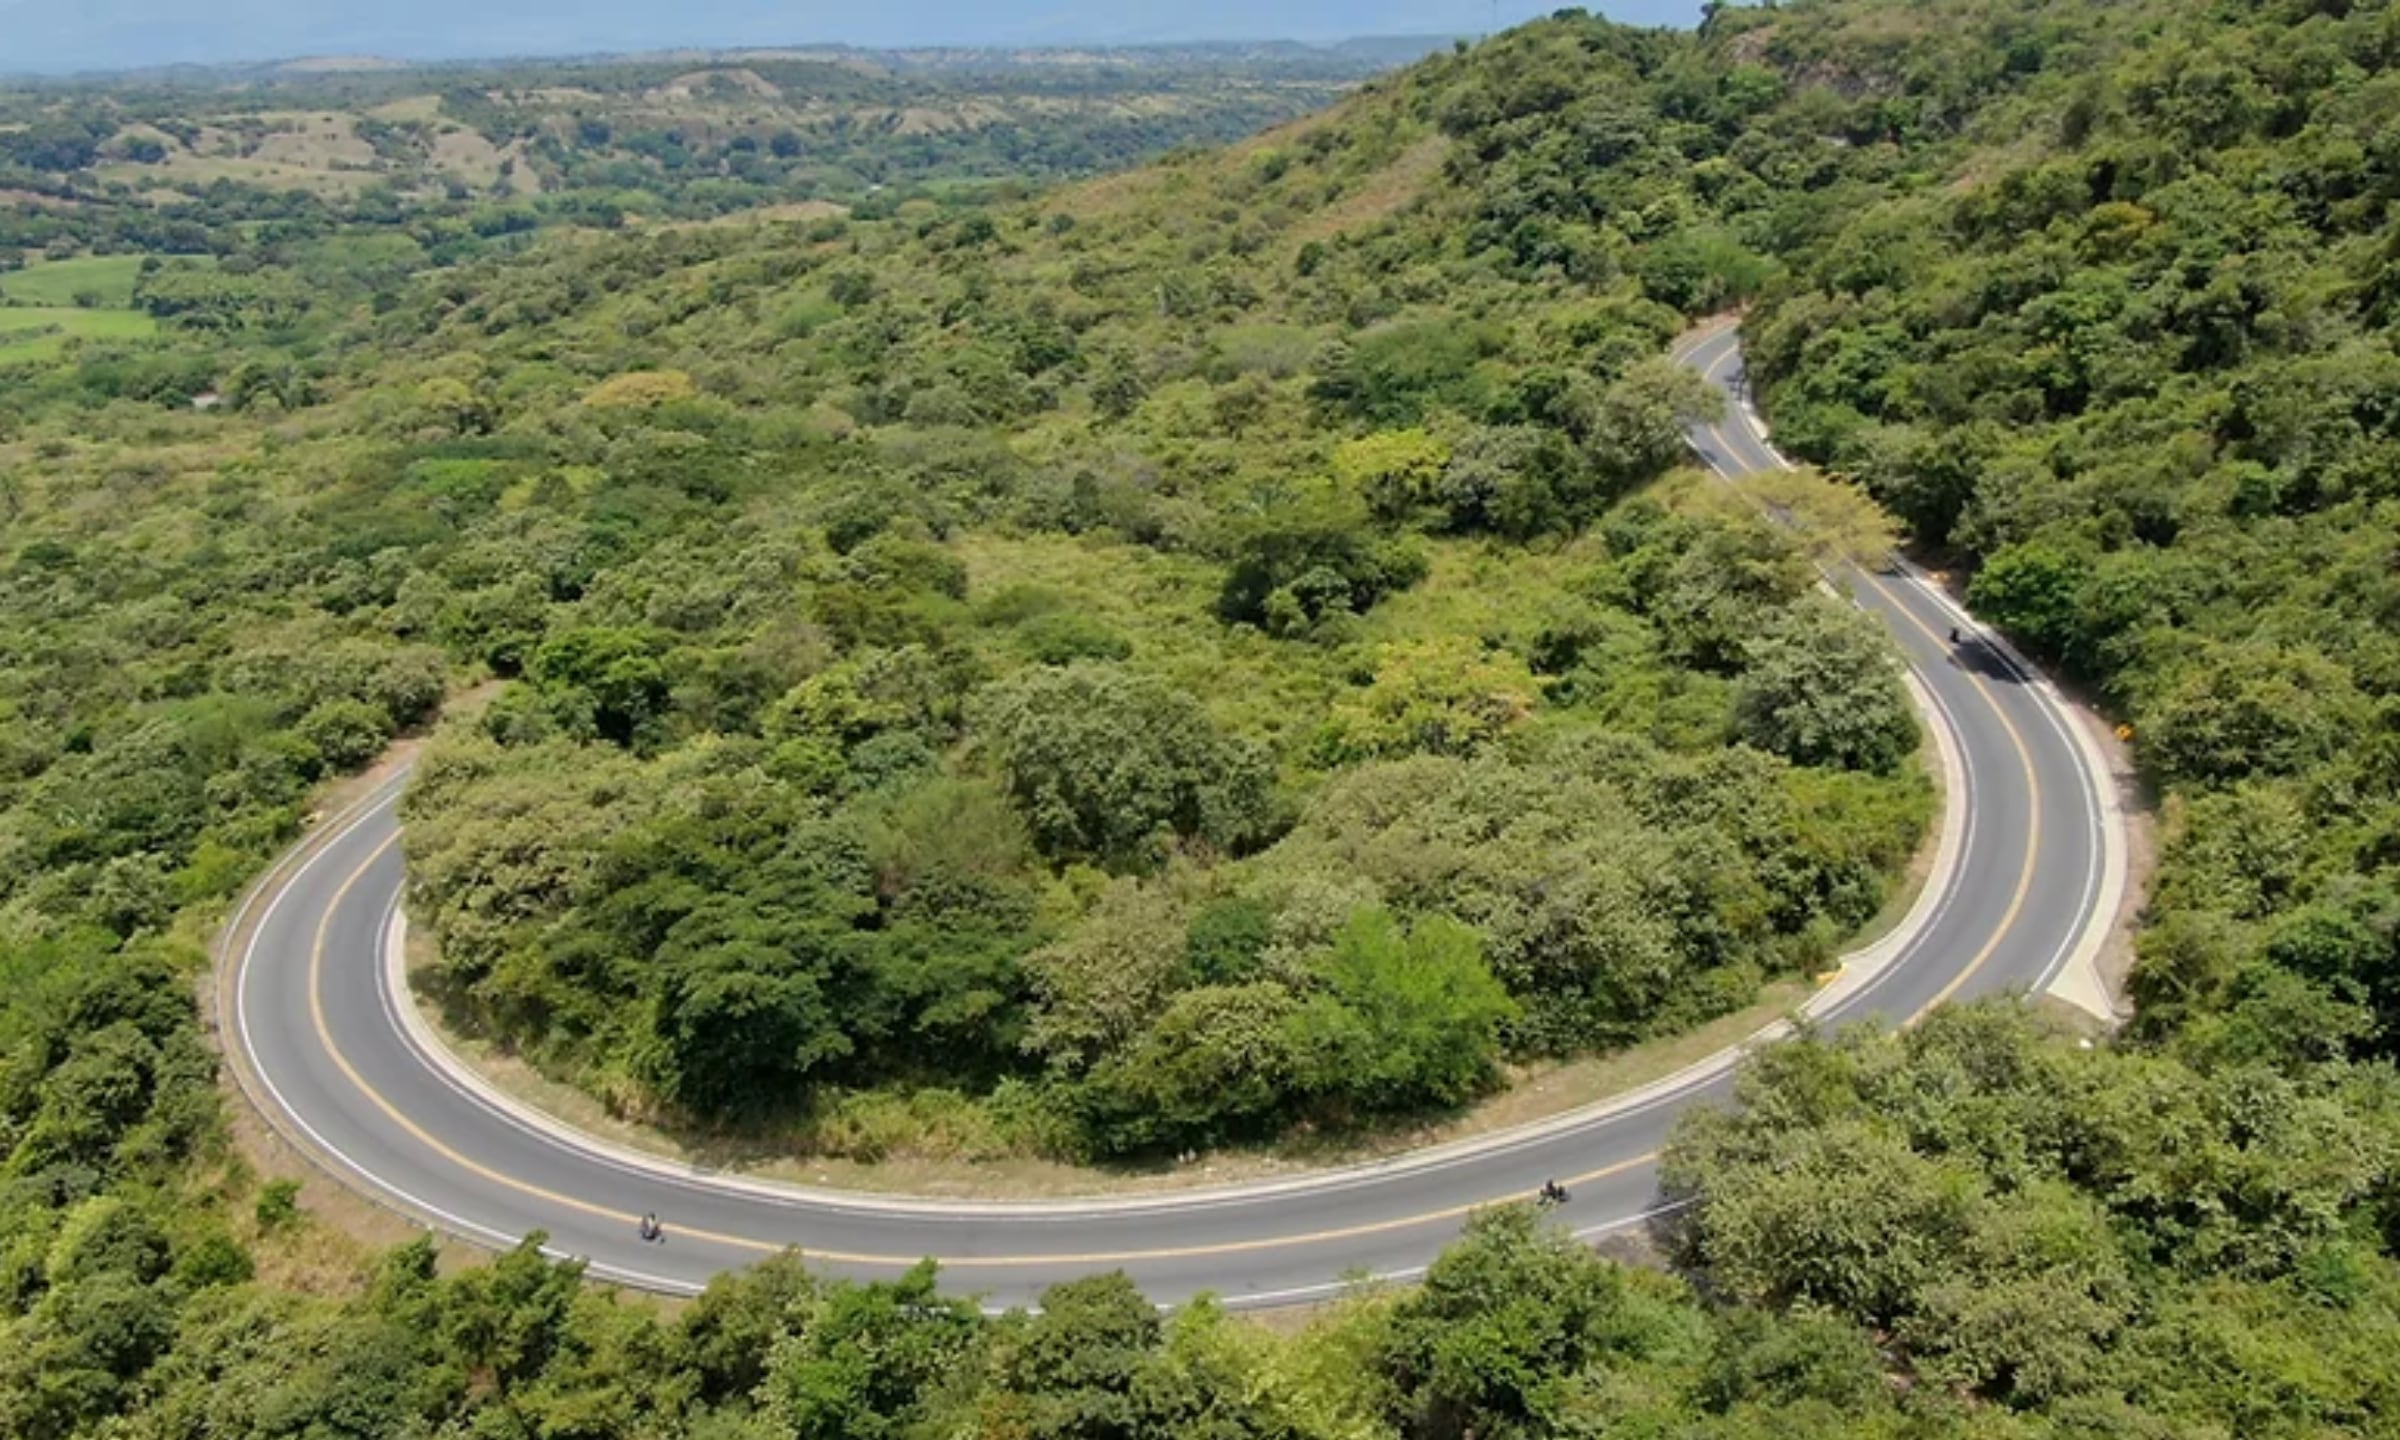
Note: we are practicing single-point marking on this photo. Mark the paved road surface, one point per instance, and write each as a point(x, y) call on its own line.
point(320, 1042)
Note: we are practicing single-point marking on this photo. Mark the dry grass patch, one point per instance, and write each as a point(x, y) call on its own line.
point(466, 156)
point(1384, 194)
point(192, 172)
point(313, 141)
point(792, 212)
point(410, 108)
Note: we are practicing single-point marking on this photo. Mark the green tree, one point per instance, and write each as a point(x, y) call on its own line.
point(732, 1327)
point(2033, 593)
point(1821, 688)
point(745, 1012)
point(1072, 1370)
point(871, 1360)
point(1410, 1018)
point(1104, 762)
point(1507, 1318)
point(1440, 697)
point(1217, 1064)
point(345, 733)
point(1633, 428)
point(2251, 710)
point(1395, 471)
point(1292, 568)
point(608, 683)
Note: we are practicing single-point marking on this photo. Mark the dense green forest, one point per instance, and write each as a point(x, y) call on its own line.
point(2140, 377)
point(1218, 648)
point(1098, 677)
point(1110, 647)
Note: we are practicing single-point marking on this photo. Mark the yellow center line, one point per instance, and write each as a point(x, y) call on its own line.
point(2033, 785)
point(2033, 815)
point(391, 1111)
point(2016, 905)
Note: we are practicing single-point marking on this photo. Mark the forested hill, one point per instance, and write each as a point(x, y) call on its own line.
point(1221, 650)
point(2095, 297)
point(2130, 356)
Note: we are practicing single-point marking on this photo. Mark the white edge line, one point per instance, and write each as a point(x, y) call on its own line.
point(2104, 887)
point(2104, 891)
point(1859, 971)
point(241, 1010)
point(1270, 1299)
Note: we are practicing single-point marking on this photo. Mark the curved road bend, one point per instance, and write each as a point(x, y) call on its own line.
point(323, 1049)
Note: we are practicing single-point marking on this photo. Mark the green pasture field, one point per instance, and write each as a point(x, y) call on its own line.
point(36, 333)
point(58, 282)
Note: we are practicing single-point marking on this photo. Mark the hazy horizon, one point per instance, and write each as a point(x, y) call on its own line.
point(44, 37)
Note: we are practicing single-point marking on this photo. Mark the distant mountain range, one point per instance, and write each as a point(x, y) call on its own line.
point(50, 37)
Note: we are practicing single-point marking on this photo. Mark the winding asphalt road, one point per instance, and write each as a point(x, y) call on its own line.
point(325, 1040)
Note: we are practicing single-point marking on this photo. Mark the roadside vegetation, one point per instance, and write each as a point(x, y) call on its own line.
point(1222, 649)
point(1109, 661)
point(2132, 372)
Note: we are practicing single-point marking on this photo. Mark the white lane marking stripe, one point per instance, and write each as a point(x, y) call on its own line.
point(332, 1152)
point(1268, 1299)
point(1165, 1202)
point(2090, 923)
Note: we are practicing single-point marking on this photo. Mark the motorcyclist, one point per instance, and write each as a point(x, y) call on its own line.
point(649, 1226)
point(1553, 1193)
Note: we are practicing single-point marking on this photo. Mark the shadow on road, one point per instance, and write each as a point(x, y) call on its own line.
point(1982, 658)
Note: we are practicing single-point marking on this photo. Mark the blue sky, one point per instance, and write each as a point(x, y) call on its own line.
point(62, 35)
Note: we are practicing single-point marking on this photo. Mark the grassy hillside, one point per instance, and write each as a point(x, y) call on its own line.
point(106, 280)
point(43, 308)
point(1216, 649)
point(605, 141)
point(38, 334)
